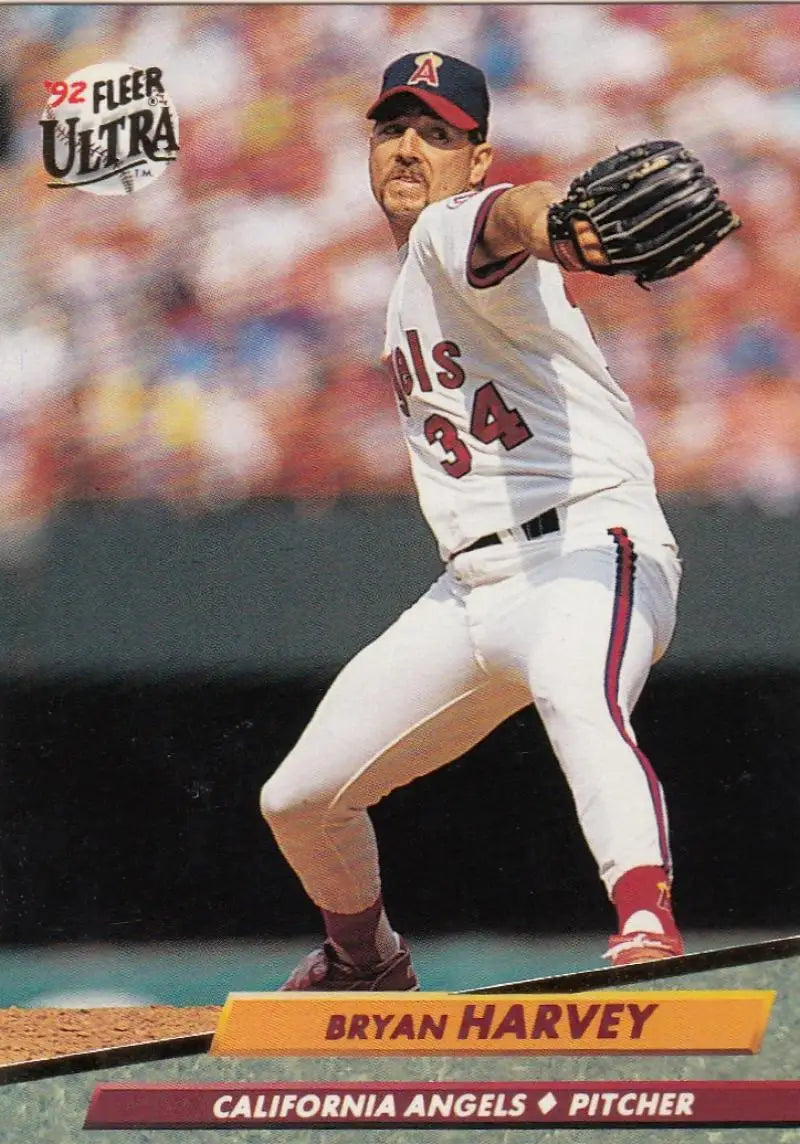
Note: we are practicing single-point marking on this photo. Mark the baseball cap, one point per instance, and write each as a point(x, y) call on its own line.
point(454, 90)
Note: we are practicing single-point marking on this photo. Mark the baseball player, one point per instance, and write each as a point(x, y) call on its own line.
point(560, 572)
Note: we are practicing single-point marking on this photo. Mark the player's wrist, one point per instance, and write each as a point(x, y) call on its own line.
point(518, 221)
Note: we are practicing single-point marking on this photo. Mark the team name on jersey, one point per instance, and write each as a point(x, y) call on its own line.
point(490, 418)
point(450, 374)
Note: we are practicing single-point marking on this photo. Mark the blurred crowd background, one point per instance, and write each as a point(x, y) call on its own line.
point(216, 337)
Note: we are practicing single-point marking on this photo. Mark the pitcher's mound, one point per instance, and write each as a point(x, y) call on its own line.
point(38, 1034)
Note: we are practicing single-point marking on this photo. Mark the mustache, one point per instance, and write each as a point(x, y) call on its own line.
point(408, 170)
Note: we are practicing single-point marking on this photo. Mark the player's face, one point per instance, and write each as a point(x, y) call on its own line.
point(415, 159)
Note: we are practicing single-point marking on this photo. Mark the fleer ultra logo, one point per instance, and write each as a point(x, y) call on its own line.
point(109, 129)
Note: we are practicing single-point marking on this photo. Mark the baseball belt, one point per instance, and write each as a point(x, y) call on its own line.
point(538, 526)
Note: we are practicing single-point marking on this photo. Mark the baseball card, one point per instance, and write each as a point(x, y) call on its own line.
point(399, 494)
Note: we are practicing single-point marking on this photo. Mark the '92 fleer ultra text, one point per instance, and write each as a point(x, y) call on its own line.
point(110, 129)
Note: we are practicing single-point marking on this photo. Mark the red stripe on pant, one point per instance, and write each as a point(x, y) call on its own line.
point(620, 627)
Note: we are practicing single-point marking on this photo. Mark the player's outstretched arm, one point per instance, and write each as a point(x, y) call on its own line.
point(518, 221)
point(649, 211)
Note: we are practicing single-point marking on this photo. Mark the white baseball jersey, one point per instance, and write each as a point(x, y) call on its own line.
point(507, 403)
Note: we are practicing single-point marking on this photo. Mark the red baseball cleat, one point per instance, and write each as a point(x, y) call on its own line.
point(632, 948)
point(322, 970)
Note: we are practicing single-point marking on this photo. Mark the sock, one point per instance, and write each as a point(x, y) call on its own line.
point(363, 939)
point(643, 901)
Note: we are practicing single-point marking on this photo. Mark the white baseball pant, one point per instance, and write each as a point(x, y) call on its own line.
point(571, 621)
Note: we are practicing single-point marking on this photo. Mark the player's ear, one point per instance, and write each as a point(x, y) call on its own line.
point(482, 156)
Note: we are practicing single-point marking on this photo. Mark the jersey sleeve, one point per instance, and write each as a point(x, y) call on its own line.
point(445, 237)
point(521, 296)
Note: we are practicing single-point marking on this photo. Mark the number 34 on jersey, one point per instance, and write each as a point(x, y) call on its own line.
point(490, 418)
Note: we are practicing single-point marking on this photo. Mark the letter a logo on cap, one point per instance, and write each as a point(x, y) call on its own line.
point(427, 69)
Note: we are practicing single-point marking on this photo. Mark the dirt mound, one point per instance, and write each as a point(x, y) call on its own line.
point(38, 1034)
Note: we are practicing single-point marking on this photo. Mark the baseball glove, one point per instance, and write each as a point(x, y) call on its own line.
point(649, 211)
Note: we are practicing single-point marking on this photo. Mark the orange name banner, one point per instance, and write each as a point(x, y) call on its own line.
point(431, 1024)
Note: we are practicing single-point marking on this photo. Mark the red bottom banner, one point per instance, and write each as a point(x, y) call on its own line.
point(526, 1105)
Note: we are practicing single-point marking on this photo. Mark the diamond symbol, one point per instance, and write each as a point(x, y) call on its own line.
point(547, 1103)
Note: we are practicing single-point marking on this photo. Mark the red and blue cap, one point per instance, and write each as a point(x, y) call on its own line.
point(452, 89)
